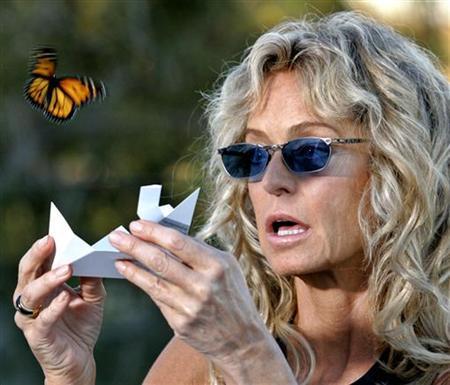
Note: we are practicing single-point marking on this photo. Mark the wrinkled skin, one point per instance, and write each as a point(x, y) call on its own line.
point(200, 290)
point(64, 334)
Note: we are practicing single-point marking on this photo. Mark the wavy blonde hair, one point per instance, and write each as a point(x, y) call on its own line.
point(354, 68)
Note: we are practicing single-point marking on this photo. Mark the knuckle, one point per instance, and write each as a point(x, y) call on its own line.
point(204, 293)
point(160, 262)
point(176, 241)
point(155, 286)
point(131, 272)
point(49, 278)
point(195, 311)
point(18, 319)
point(188, 310)
point(132, 244)
point(218, 270)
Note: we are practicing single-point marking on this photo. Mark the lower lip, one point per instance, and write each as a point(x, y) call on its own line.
point(285, 241)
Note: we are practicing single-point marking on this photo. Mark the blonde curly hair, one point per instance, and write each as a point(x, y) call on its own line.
point(354, 68)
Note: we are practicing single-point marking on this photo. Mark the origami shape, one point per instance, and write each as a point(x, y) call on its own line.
point(98, 260)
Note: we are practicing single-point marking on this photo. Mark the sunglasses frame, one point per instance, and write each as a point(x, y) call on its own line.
point(271, 149)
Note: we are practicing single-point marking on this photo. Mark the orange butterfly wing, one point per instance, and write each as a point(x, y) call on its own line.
point(82, 90)
point(43, 62)
point(58, 99)
point(36, 91)
point(69, 94)
point(60, 107)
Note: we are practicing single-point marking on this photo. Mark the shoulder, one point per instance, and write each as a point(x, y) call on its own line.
point(443, 378)
point(178, 364)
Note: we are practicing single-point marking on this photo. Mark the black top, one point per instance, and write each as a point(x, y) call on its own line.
point(376, 375)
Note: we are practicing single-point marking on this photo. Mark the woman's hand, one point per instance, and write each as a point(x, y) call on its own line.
point(63, 334)
point(201, 292)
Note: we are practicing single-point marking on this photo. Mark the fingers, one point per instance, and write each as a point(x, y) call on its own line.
point(190, 251)
point(161, 291)
point(31, 264)
point(35, 293)
point(155, 259)
point(92, 289)
point(48, 317)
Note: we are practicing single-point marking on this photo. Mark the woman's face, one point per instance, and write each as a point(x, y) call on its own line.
point(321, 230)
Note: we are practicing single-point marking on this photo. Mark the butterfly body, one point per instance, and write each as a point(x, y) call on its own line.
point(58, 98)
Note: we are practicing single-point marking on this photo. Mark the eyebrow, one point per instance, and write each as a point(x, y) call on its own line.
point(294, 129)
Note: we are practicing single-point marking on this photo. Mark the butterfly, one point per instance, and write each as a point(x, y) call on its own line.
point(58, 98)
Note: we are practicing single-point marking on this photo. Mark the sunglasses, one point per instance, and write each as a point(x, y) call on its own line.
point(301, 156)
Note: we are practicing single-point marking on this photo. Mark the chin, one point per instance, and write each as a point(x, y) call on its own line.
point(294, 265)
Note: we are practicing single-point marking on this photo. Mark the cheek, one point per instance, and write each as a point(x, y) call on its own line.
point(335, 198)
point(257, 199)
point(336, 216)
point(337, 210)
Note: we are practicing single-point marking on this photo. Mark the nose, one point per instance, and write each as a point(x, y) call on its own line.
point(277, 179)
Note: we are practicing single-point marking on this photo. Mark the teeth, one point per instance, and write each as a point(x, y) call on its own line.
point(290, 232)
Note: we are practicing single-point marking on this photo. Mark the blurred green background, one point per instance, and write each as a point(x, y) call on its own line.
point(155, 58)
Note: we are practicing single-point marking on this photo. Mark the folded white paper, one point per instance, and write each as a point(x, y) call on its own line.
point(98, 260)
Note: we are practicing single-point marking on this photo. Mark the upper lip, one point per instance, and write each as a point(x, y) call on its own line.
point(281, 216)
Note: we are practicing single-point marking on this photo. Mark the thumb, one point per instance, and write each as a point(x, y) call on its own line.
point(92, 289)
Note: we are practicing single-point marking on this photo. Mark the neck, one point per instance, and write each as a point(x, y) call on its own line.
point(333, 314)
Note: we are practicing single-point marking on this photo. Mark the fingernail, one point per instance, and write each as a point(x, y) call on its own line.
point(136, 226)
point(43, 241)
point(63, 296)
point(117, 237)
point(62, 270)
point(120, 266)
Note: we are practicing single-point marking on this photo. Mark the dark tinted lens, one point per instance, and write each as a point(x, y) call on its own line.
point(244, 160)
point(306, 154)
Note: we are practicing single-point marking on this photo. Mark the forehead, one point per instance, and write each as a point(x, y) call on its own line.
point(283, 113)
point(305, 128)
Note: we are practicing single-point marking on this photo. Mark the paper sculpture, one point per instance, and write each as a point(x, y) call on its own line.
point(98, 260)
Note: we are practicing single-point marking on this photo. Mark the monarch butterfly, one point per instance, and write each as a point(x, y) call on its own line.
point(58, 98)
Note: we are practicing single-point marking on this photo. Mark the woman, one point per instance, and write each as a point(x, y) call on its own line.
point(332, 202)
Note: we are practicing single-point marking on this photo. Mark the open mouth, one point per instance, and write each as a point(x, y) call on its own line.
point(286, 227)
